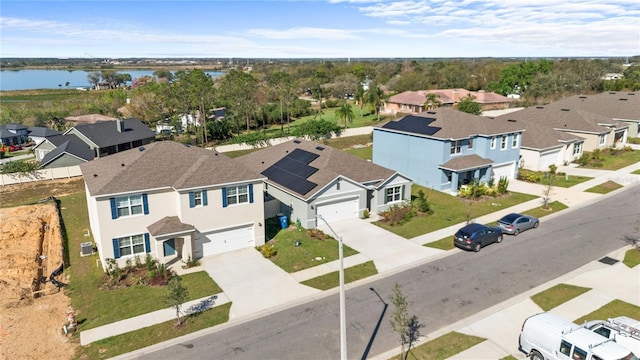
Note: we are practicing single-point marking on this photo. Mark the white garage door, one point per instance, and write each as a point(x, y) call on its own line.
point(502, 170)
point(548, 159)
point(219, 242)
point(339, 210)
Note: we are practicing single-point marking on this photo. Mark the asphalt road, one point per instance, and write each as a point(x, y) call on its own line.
point(442, 292)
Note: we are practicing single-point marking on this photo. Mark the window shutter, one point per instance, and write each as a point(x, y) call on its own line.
point(205, 202)
point(145, 204)
point(114, 209)
point(147, 244)
point(224, 197)
point(116, 249)
point(192, 200)
point(250, 193)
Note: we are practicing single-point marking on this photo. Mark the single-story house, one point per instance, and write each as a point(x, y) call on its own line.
point(13, 134)
point(173, 202)
point(305, 179)
point(70, 151)
point(110, 137)
point(414, 102)
point(444, 149)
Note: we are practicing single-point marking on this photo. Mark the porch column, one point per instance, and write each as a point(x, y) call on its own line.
point(187, 248)
point(454, 182)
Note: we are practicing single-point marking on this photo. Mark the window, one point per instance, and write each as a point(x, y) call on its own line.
point(470, 143)
point(503, 143)
point(579, 354)
point(237, 194)
point(565, 348)
point(577, 148)
point(394, 194)
point(514, 141)
point(197, 198)
point(493, 142)
point(603, 331)
point(129, 205)
point(601, 139)
point(131, 245)
point(456, 146)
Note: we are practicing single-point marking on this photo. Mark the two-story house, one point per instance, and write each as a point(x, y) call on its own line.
point(110, 137)
point(443, 149)
point(173, 202)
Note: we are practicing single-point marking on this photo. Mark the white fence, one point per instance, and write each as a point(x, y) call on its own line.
point(40, 175)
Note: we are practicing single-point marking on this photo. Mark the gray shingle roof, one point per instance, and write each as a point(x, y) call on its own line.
point(467, 162)
point(331, 163)
point(72, 146)
point(169, 225)
point(161, 165)
point(448, 123)
point(615, 105)
point(42, 131)
point(105, 133)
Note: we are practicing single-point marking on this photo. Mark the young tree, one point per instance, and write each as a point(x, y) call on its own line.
point(548, 190)
point(405, 325)
point(432, 101)
point(176, 296)
point(345, 113)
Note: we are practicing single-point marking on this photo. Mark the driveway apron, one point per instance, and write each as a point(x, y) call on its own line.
point(387, 250)
point(253, 283)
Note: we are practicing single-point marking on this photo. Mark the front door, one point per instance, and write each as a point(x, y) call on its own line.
point(169, 247)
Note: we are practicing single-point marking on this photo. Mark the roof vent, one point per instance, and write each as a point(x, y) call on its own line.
point(512, 120)
point(141, 148)
point(539, 107)
point(319, 148)
point(215, 154)
point(564, 109)
point(623, 99)
point(583, 97)
point(612, 92)
point(631, 93)
point(296, 141)
point(431, 112)
point(122, 165)
point(95, 175)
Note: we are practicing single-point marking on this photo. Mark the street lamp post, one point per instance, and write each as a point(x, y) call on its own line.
point(343, 320)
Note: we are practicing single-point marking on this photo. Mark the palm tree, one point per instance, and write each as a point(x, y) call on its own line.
point(375, 96)
point(359, 97)
point(345, 113)
point(432, 101)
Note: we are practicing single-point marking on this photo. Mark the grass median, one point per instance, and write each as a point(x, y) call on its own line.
point(557, 295)
point(351, 274)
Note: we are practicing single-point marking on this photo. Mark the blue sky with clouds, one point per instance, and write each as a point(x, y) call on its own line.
point(319, 29)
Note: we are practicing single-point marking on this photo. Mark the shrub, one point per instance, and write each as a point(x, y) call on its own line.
point(113, 271)
point(331, 103)
point(595, 155)
point(138, 262)
point(584, 159)
point(191, 262)
point(552, 169)
point(398, 214)
point(421, 203)
point(365, 213)
point(503, 185)
point(150, 262)
point(268, 250)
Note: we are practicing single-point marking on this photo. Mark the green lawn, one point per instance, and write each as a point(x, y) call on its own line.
point(144, 337)
point(634, 140)
point(445, 243)
point(632, 257)
point(557, 295)
point(558, 180)
point(237, 153)
point(449, 210)
point(613, 309)
point(614, 161)
point(637, 172)
point(30, 193)
point(553, 207)
point(443, 347)
point(98, 307)
point(351, 274)
point(363, 152)
point(604, 188)
point(311, 251)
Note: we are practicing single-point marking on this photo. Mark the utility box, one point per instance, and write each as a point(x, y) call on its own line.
point(86, 248)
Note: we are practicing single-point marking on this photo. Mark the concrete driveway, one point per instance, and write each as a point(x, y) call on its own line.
point(387, 250)
point(253, 283)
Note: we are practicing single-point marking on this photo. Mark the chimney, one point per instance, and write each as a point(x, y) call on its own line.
point(120, 125)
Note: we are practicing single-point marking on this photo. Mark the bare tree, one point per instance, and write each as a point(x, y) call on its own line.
point(176, 296)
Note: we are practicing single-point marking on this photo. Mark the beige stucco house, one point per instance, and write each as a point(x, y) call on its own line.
point(414, 102)
point(173, 202)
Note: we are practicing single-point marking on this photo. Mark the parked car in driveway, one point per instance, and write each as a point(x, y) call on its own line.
point(514, 224)
point(475, 236)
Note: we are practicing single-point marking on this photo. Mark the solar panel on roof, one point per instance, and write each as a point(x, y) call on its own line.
point(414, 124)
point(302, 156)
point(289, 180)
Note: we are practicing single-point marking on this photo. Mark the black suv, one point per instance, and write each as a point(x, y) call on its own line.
point(475, 236)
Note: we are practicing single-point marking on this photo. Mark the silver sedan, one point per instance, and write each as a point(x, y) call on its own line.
point(514, 224)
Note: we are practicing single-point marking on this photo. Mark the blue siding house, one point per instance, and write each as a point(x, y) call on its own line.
point(444, 149)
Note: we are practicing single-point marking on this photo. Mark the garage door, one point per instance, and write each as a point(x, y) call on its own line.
point(547, 159)
point(219, 242)
point(503, 170)
point(339, 210)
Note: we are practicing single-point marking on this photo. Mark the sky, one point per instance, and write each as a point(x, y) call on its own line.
point(319, 28)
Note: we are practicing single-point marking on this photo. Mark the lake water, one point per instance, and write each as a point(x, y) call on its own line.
point(57, 79)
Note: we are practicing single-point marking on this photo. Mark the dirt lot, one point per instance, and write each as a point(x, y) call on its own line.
point(32, 312)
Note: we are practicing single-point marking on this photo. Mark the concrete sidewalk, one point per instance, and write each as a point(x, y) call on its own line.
point(235, 272)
